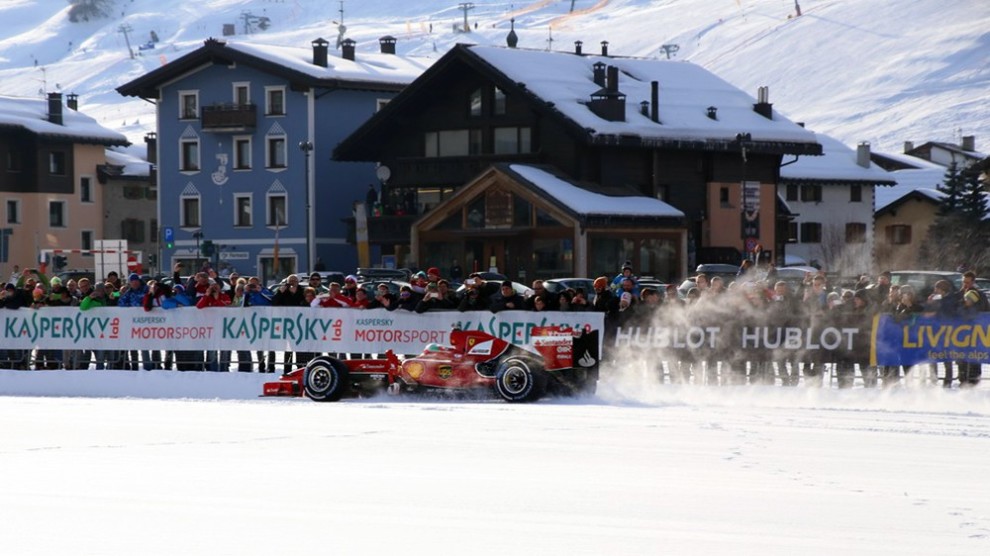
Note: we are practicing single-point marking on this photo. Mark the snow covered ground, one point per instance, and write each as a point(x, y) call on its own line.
point(640, 469)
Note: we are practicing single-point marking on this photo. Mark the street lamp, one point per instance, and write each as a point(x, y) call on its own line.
point(307, 147)
point(198, 235)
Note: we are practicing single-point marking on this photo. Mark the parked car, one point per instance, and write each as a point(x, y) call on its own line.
point(923, 281)
point(557, 285)
point(75, 274)
point(326, 278)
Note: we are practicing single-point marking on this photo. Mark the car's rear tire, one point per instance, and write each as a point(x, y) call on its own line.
point(325, 379)
point(520, 380)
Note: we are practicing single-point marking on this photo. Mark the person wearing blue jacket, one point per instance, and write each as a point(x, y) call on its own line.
point(256, 295)
point(133, 296)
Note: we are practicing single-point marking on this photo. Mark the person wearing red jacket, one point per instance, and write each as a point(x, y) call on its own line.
point(335, 298)
point(214, 297)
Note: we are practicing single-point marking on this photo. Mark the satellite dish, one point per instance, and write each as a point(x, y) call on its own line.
point(383, 173)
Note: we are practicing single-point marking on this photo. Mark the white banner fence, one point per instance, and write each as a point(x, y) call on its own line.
point(266, 328)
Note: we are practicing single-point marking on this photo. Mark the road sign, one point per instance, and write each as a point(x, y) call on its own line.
point(751, 244)
point(169, 235)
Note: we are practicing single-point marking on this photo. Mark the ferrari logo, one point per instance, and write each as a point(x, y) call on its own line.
point(445, 371)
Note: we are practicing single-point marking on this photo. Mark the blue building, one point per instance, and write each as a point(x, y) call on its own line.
point(244, 140)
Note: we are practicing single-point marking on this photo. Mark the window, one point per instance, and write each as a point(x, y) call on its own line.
point(56, 214)
point(86, 189)
point(242, 94)
point(13, 211)
point(153, 230)
point(189, 155)
point(499, 104)
point(898, 234)
point(86, 239)
point(792, 192)
point(811, 193)
point(277, 215)
point(242, 153)
point(512, 140)
point(132, 229)
point(56, 163)
point(454, 142)
point(475, 103)
point(15, 160)
point(188, 105)
point(855, 232)
point(189, 212)
point(242, 210)
point(274, 101)
point(856, 194)
point(276, 152)
point(811, 232)
point(792, 232)
point(723, 197)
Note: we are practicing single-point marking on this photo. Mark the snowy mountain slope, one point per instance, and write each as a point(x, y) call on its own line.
point(883, 72)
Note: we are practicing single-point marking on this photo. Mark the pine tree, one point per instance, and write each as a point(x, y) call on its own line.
point(959, 231)
point(951, 189)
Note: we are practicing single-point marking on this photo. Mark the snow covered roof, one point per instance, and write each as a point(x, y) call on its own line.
point(378, 68)
point(686, 92)
point(589, 203)
point(838, 164)
point(923, 181)
point(367, 71)
point(31, 114)
point(130, 165)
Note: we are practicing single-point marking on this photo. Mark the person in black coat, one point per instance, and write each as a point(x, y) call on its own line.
point(507, 299)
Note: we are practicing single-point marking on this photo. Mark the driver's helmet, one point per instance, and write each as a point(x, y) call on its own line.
point(433, 347)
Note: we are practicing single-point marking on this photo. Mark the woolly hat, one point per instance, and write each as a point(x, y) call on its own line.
point(134, 276)
point(625, 298)
point(55, 281)
point(507, 283)
point(433, 270)
point(601, 282)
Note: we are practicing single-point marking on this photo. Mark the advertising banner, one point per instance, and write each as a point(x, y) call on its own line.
point(265, 328)
point(929, 339)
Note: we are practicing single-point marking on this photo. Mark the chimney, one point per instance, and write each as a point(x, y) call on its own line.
point(387, 44)
point(55, 108)
point(644, 108)
point(72, 101)
point(347, 49)
point(612, 84)
point(604, 48)
point(969, 143)
point(712, 113)
point(800, 124)
point(655, 101)
point(577, 47)
point(863, 154)
point(763, 106)
point(320, 47)
point(908, 146)
point(599, 74)
point(151, 139)
point(609, 103)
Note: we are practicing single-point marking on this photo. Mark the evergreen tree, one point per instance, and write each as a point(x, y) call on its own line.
point(972, 202)
point(959, 232)
point(952, 190)
point(84, 10)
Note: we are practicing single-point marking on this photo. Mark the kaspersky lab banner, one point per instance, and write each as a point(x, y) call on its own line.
point(266, 328)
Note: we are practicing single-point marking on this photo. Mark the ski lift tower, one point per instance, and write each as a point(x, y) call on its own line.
point(466, 6)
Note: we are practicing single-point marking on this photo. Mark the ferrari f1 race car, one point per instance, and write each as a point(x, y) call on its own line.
point(561, 362)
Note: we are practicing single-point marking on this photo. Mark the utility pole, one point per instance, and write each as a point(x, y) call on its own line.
point(307, 147)
point(549, 38)
point(572, 4)
point(126, 28)
point(466, 6)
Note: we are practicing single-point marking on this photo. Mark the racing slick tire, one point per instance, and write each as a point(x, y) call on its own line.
point(325, 379)
point(520, 380)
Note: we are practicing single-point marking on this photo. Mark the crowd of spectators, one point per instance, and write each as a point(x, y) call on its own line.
point(621, 298)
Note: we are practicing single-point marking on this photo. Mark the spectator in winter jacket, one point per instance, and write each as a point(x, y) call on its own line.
point(407, 299)
point(333, 298)
point(508, 300)
point(133, 296)
point(433, 300)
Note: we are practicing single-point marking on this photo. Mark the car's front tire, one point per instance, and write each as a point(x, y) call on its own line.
point(325, 379)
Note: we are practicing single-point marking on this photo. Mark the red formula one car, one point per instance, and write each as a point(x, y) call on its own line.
point(561, 362)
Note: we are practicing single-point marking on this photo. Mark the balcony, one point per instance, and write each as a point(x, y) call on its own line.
point(230, 118)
